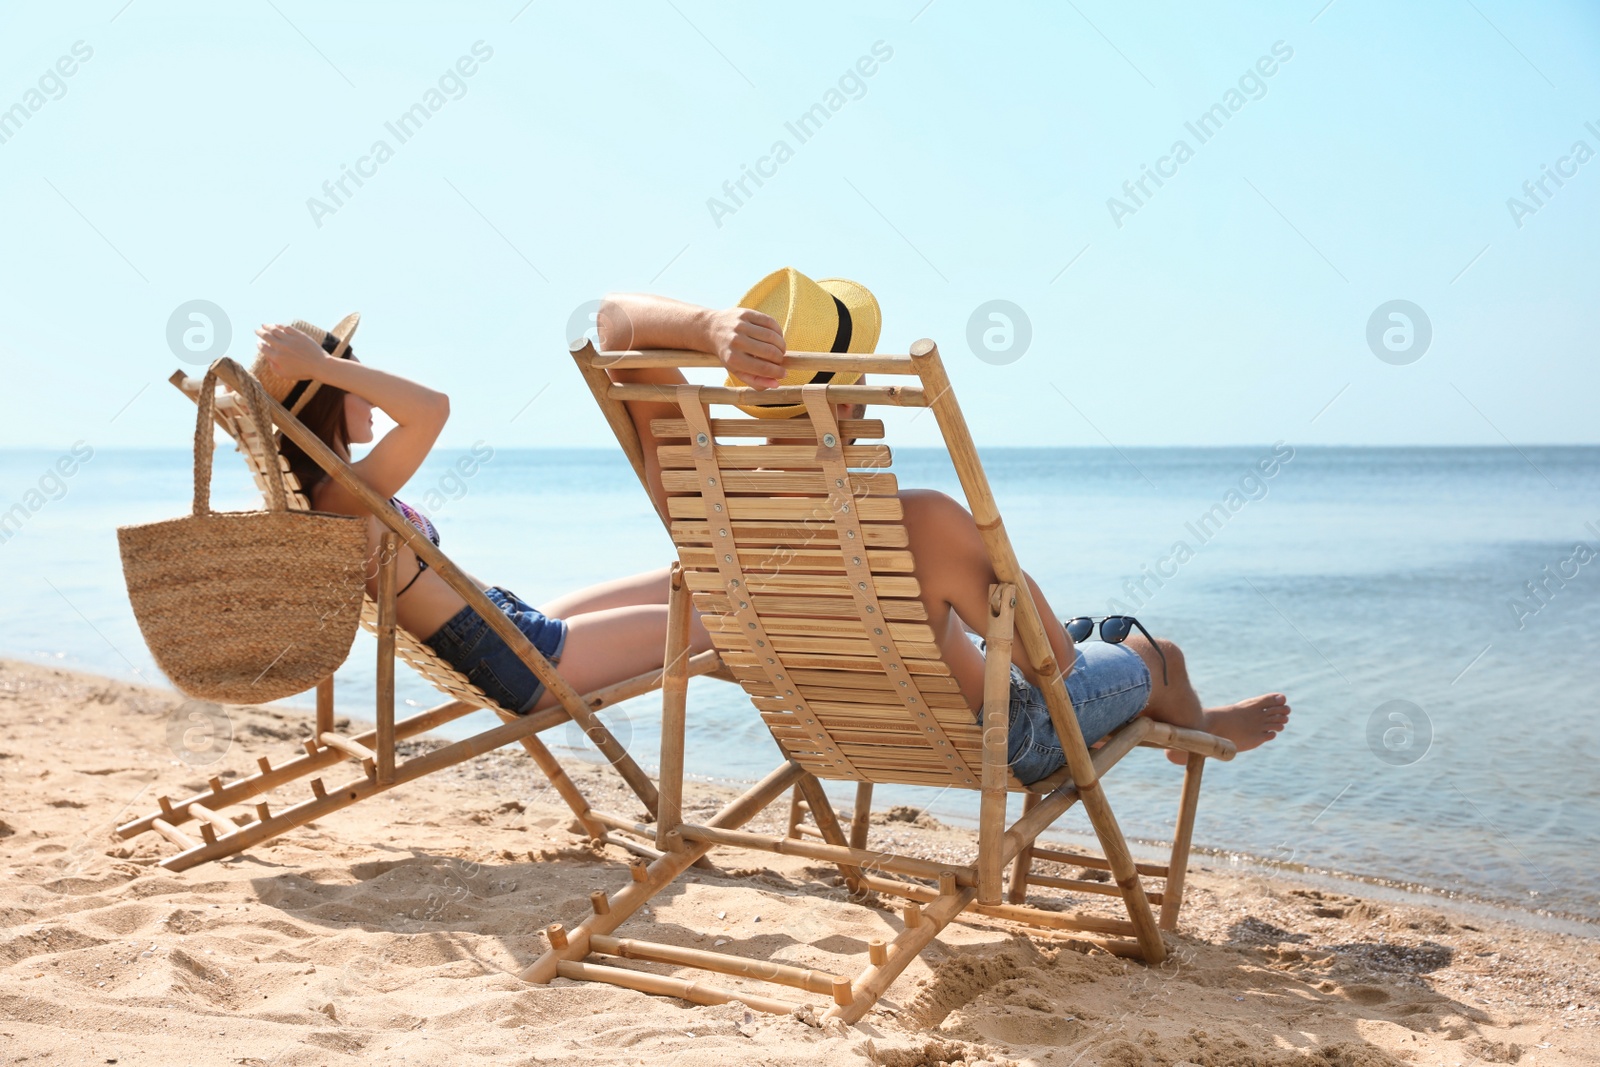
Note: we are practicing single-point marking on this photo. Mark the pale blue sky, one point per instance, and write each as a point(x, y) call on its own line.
point(977, 163)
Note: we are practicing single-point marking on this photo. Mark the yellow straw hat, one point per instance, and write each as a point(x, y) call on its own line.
point(289, 391)
point(829, 315)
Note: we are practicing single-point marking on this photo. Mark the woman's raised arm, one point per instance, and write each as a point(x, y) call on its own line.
point(419, 412)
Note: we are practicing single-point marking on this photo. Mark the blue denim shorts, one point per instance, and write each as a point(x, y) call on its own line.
point(1109, 685)
point(468, 645)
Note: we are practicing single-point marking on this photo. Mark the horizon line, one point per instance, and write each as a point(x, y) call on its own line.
point(1510, 446)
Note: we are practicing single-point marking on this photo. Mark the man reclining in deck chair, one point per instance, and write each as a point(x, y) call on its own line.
point(599, 636)
point(1111, 681)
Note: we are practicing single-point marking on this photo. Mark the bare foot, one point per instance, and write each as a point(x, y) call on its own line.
point(1248, 724)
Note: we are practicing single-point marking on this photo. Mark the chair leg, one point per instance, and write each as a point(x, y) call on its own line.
point(996, 734)
point(388, 549)
point(898, 954)
point(610, 912)
point(1120, 859)
point(828, 823)
point(551, 768)
point(797, 814)
point(861, 817)
point(1177, 865)
point(1022, 866)
point(674, 711)
point(325, 706)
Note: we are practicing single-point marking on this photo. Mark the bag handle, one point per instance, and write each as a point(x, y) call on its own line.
point(205, 445)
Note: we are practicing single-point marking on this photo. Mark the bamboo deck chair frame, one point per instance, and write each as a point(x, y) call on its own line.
point(375, 750)
point(793, 556)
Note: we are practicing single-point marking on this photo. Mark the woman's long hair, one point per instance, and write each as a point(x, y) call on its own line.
point(323, 415)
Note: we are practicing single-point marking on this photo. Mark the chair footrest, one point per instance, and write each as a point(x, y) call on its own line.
point(1165, 735)
point(628, 844)
point(353, 749)
point(694, 992)
point(1080, 885)
point(723, 963)
point(173, 834)
point(1094, 863)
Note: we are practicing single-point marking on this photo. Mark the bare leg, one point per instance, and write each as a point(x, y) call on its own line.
point(1174, 699)
point(613, 645)
point(1248, 724)
point(647, 588)
point(953, 569)
point(637, 590)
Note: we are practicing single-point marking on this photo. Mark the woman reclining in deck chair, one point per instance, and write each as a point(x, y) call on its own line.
point(599, 636)
point(1110, 682)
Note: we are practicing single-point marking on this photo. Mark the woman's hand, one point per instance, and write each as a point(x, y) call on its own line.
point(289, 352)
point(749, 344)
point(419, 412)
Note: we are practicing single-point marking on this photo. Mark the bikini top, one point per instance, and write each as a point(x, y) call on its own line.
point(424, 526)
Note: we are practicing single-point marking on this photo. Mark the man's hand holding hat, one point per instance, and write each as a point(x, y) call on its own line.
point(749, 343)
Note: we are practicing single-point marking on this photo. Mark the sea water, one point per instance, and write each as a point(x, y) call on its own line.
point(1432, 613)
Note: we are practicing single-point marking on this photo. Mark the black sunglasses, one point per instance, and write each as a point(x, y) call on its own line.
point(1114, 630)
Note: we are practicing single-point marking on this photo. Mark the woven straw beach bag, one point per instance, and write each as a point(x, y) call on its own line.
point(246, 606)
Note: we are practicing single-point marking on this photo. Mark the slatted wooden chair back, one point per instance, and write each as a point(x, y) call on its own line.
point(791, 538)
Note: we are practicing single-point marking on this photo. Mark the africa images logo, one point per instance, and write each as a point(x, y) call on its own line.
point(402, 128)
point(1252, 85)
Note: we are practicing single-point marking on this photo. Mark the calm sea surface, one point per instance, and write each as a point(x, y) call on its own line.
point(1444, 729)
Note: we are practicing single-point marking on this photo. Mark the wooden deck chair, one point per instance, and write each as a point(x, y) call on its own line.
point(223, 834)
point(797, 560)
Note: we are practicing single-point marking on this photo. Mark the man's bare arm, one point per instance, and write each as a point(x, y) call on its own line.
point(747, 342)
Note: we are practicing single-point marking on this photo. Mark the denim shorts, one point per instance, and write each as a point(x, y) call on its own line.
point(468, 645)
point(1109, 685)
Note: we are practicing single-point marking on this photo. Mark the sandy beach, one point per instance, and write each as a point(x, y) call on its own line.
point(393, 931)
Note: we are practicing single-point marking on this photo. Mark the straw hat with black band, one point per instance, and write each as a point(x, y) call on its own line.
point(828, 315)
point(295, 394)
